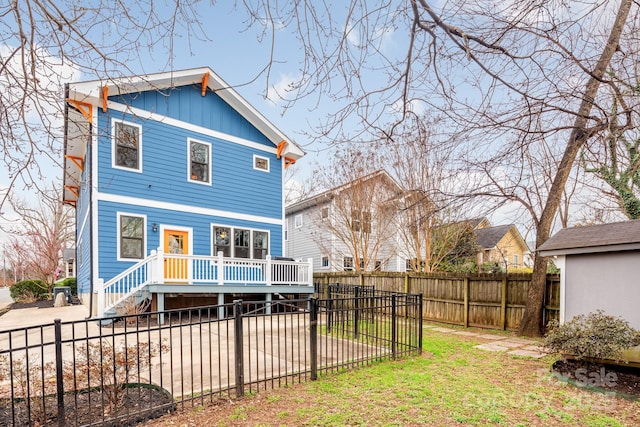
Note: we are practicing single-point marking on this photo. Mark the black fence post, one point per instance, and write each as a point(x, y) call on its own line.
point(329, 303)
point(420, 323)
point(356, 312)
point(238, 347)
point(394, 332)
point(313, 338)
point(59, 382)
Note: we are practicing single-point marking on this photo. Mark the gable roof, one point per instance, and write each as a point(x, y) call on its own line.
point(328, 195)
point(617, 236)
point(489, 237)
point(92, 94)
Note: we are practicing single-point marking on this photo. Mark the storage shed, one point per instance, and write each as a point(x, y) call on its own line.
point(599, 269)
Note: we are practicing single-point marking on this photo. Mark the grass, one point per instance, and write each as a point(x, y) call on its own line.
point(452, 383)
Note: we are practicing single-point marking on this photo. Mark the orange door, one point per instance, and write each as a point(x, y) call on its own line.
point(176, 267)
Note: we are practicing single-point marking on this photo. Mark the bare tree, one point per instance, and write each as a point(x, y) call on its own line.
point(44, 44)
point(430, 202)
point(35, 246)
point(518, 60)
point(354, 218)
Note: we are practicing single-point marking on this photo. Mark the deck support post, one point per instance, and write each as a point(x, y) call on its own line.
point(160, 299)
point(267, 307)
point(221, 314)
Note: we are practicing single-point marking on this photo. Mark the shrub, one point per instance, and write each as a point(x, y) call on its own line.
point(28, 291)
point(111, 367)
point(70, 282)
point(595, 335)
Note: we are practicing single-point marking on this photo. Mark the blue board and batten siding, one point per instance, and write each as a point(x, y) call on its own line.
point(239, 195)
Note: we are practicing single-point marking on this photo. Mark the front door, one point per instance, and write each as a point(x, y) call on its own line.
point(176, 269)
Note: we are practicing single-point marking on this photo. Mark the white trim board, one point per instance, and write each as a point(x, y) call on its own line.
point(179, 207)
point(188, 126)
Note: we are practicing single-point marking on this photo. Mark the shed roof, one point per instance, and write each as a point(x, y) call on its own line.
point(617, 236)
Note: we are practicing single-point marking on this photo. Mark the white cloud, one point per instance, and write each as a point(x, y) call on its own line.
point(282, 88)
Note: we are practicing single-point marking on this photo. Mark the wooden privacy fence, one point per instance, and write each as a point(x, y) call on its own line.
point(492, 301)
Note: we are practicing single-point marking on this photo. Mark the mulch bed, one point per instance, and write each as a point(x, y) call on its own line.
point(141, 402)
point(621, 379)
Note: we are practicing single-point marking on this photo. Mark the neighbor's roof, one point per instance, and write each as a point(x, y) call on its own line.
point(326, 196)
point(617, 236)
point(93, 93)
point(489, 237)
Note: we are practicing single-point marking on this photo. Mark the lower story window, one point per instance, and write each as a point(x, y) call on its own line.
point(347, 263)
point(131, 230)
point(239, 242)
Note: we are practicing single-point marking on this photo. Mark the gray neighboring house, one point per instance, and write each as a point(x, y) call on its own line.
point(599, 269)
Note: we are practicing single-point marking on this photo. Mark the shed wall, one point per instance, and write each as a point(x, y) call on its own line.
point(604, 281)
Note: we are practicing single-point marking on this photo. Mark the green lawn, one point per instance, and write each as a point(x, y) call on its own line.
point(452, 383)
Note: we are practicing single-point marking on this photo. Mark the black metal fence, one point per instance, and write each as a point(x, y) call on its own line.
point(140, 366)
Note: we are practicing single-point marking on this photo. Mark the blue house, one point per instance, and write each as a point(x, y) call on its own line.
point(177, 184)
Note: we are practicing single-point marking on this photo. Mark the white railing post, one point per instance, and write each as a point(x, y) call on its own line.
point(220, 268)
point(310, 278)
point(151, 268)
point(100, 302)
point(159, 266)
point(269, 269)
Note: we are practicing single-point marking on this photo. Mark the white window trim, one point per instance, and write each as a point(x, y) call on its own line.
point(295, 221)
point(322, 258)
point(113, 146)
point(268, 169)
point(144, 238)
point(232, 238)
point(195, 181)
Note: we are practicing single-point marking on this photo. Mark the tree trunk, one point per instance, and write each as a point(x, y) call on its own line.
point(531, 324)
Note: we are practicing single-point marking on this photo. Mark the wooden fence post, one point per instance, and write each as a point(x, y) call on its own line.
point(503, 304)
point(466, 302)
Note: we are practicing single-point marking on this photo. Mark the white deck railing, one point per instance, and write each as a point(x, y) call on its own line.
point(161, 268)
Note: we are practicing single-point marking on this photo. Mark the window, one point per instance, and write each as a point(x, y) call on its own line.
point(241, 243)
point(199, 162)
point(286, 231)
point(260, 244)
point(260, 163)
point(408, 264)
point(127, 146)
point(325, 261)
point(361, 221)
point(347, 263)
point(298, 220)
point(362, 264)
point(325, 213)
point(515, 260)
point(378, 266)
point(131, 237)
point(222, 241)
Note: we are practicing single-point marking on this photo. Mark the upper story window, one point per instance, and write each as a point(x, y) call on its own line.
point(347, 263)
point(298, 221)
point(260, 163)
point(324, 213)
point(325, 261)
point(361, 221)
point(131, 236)
point(127, 146)
point(199, 162)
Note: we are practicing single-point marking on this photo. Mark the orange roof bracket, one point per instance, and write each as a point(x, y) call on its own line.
point(73, 189)
point(205, 82)
point(70, 202)
point(78, 161)
point(288, 161)
point(84, 107)
point(105, 97)
point(280, 148)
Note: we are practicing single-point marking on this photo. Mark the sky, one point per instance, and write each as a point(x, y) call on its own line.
point(240, 56)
